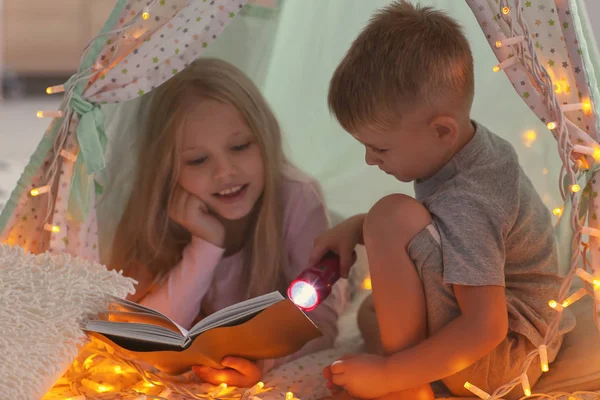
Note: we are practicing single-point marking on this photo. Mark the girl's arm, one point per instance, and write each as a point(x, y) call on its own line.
point(307, 219)
point(179, 295)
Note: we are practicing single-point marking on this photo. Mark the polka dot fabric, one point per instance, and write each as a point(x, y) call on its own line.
point(153, 50)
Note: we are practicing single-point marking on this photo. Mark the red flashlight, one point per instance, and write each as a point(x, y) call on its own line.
point(314, 284)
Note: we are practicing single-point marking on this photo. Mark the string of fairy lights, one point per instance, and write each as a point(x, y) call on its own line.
point(525, 55)
point(83, 379)
point(59, 152)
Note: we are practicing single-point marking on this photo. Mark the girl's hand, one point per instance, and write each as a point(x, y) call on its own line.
point(191, 213)
point(240, 372)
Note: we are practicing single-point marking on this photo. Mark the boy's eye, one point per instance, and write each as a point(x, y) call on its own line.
point(379, 150)
point(241, 147)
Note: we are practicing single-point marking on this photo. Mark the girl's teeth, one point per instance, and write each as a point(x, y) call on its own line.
point(230, 191)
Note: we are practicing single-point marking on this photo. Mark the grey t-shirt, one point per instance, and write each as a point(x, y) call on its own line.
point(495, 230)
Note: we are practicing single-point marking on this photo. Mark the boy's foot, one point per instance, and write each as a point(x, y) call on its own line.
point(423, 393)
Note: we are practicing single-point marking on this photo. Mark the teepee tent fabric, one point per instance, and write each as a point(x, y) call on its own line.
point(141, 46)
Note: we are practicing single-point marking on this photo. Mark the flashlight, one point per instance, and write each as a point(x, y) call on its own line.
point(314, 284)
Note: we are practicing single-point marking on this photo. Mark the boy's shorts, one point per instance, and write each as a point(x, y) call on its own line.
point(499, 367)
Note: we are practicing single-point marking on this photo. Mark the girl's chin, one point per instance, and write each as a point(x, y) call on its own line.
point(230, 215)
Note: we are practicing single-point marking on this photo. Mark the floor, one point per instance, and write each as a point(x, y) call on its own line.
point(20, 132)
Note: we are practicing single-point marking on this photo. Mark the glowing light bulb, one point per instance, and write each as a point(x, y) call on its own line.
point(249, 393)
point(55, 89)
point(505, 64)
point(40, 190)
point(367, 284)
point(217, 391)
point(596, 154)
point(586, 106)
point(575, 188)
point(476, 391)
point(89, 361)
point(52, 228)
point(530, 135)
point(509, 41)
point(551, 125)
point(95, 386)
point(68, 155)
point(574, 297)
point(528, 138)
point(50, 114)
point(505, 10)
point(544, 358)
point(526, 385)
point(117, 369)
point(289, 396)
point(557, 88)
point(583, 274)
point(554, 304)
point(145, 15)
point(557, 211)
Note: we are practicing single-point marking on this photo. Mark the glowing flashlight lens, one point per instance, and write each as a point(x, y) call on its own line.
point(304, 295)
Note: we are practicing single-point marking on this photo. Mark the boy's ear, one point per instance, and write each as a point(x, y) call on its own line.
point(446, 129)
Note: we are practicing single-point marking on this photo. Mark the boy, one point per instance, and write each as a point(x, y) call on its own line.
point(462, 274)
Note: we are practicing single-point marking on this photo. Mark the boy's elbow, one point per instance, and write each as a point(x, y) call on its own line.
point(494, 331)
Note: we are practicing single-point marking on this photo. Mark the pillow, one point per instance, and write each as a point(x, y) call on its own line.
point(44, 301)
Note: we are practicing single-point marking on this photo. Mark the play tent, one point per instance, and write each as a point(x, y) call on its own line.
point(66, 200)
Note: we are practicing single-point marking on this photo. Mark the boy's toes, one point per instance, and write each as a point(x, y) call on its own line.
point(327, 373)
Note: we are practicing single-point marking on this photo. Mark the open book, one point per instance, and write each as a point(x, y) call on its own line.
point(268, 326)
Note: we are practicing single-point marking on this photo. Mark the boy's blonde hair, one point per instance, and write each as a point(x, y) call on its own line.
point(406, 56)
point(146, 237)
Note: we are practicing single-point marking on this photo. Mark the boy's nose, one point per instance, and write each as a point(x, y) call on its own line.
point(370, 159)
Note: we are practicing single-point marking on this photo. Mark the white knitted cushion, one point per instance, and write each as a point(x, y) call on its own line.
point(44, 301)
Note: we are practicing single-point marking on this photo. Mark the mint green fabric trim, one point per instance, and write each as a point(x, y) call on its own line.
point(47, 141)
point(589, 54)
point(92, 144)
point(563, 230)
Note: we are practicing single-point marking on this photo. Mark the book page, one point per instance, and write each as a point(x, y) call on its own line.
point(139, 317)
point(240, 311)
point(129, 306)
point(139, 331)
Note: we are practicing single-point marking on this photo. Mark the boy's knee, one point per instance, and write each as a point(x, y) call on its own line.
point(396, 216)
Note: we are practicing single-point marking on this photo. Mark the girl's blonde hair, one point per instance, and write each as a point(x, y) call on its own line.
point(146, 237)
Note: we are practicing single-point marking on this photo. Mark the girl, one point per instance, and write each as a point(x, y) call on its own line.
point(218, 215)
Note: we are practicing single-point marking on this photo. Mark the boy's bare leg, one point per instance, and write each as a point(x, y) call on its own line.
point(398, 296)
point(368, 326)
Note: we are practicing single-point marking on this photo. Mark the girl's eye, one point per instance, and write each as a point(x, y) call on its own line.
point(380, 151)
point(241, 147)
point(197, 161)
